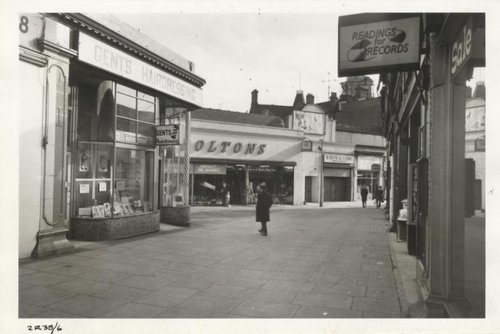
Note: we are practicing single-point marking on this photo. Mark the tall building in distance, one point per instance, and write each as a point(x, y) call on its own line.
point(357, 88)
point(475, 114)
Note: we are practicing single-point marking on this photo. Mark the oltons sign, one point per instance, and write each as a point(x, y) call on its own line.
point(372, 43)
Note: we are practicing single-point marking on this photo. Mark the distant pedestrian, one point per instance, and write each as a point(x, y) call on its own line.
point(364, 195)
point(380, 196)
point(264, 203)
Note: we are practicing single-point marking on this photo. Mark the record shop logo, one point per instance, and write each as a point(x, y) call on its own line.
point(377, 42)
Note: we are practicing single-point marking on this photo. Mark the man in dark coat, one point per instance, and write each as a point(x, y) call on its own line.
point(264, 203)
point(380, 196)
point(364, 195)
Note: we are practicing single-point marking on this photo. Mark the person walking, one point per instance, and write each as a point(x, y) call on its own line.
point(264, 203)
point(380, 196)
point(364, 195)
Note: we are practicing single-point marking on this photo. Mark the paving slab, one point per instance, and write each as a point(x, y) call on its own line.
point(387, 305)
point(87, 306)
point(223, 290)
point(132, 310)
point(252, 308)
point(166, 297)
point(342, 301)
point(209, 303)
point(43, 296)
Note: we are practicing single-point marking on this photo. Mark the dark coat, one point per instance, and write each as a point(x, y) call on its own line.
point(264, 203)
point(380, 195)
point(364, 194)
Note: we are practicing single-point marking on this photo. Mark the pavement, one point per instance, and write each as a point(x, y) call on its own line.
point(315, 263)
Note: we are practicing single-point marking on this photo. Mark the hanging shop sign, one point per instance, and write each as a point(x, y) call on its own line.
point(372, 43)
point(108, 58)
point(468, 47)
point(338, 158)
point(168, 134)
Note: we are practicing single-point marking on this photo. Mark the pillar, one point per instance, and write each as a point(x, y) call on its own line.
point(446, 282)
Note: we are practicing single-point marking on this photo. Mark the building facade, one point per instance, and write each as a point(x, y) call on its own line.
point(95, 91)
point(305, 153)
point(475, 141)
point(424, 115)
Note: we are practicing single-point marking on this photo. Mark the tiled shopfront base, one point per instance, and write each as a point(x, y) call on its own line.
point(89, 229)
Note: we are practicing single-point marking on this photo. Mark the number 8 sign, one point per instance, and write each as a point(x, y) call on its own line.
point(30, 29)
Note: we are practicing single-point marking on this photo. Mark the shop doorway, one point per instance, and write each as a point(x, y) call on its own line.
point(308, 189)
point(235, 179)
point(337, 189)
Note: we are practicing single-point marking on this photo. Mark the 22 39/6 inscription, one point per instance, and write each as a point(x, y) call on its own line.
point(45, 328)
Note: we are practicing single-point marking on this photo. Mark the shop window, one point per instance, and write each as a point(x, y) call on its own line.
point(93, 180)
point(109, 180)
point(133, 183)
point(96, 112)
point(135, 116)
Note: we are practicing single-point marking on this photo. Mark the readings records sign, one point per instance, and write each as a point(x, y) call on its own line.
point(373, 43)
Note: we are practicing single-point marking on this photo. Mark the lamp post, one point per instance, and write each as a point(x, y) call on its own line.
point(321, 178)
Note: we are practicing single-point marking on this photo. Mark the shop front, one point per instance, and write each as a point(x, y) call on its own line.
point(338, 174)
point(235, 182)
point(368, 168)
point(118, 171)
point(229, 161)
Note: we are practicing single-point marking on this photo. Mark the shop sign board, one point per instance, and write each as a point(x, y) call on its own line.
point(306, 146)
point(209, 169)
point(366, 162)
point(338, 158)
point(168, 134)
point(108, 58)
point(372, 43)
point(309, 122)
point(468, 45)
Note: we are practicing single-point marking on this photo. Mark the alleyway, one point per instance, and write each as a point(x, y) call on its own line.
point(315, 263)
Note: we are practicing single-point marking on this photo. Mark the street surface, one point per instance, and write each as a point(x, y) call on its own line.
point(315, 263)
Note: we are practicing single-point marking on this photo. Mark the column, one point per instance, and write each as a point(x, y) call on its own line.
point(447, 186)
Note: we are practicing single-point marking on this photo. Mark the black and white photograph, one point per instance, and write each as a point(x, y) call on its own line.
point(329, 173)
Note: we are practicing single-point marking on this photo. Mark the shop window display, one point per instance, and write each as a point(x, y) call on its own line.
point(112, 180)
point(133, 185)
point(93, 179)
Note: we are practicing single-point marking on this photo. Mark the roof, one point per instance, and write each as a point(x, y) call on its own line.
point(112, 30)
point(361, 117)
point(275, 110)
point(138, 37)
point(228, 116)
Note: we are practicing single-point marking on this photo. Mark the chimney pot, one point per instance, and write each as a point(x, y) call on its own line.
point(255, 97)
point(310, 99)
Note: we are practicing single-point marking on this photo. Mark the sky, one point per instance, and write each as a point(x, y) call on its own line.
point(275, 53)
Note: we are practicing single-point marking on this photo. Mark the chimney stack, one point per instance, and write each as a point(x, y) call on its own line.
point(255, 96)
point(310, 98)
point(480, 90)
point(298, 103)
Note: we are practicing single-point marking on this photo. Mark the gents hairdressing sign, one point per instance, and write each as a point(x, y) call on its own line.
point(101, 55)
point(373, 43)
point(168, 134)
